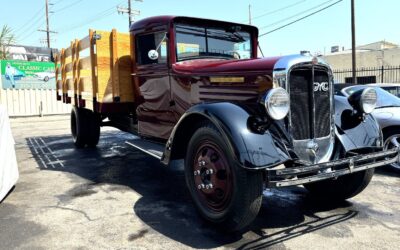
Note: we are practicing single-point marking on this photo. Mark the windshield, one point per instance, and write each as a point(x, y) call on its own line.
point(385, 99)
point(194, 42)
point(394, 90)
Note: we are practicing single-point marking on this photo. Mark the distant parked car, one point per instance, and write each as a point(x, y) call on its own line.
point(387, 113)
point(46, 75)
point(392, 88)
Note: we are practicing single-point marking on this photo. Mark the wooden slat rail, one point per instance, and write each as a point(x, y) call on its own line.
point(104, 76)
point(59, 88)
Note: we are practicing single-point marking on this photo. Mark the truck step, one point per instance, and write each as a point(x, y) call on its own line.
point(151, 148)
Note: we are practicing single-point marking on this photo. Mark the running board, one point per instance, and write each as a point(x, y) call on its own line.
point(151, 148)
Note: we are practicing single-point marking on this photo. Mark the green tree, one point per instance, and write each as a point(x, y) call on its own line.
point(6, 39)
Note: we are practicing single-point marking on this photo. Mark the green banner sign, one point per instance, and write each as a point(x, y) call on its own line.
point(17, 74)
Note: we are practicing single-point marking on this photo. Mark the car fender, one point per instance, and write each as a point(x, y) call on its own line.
point(252, 150)
point(352, 131)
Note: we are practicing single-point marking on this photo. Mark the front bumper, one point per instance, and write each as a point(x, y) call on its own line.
point(328, 170)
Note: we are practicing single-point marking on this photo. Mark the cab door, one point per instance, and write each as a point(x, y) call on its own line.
point(154, 112)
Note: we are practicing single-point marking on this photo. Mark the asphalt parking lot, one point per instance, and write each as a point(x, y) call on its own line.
point(115, 197)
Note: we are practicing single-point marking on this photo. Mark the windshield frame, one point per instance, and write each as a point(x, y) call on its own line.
point(206, 27)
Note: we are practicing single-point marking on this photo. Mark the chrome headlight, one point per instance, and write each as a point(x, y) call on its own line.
point(368, 100)
point(276, 103)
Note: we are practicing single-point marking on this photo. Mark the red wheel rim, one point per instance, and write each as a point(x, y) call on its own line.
point(212, 176)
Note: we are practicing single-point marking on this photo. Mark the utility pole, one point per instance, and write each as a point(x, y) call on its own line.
point(249, 14)
point(47, 30)
point(353, 43)
point(131, 12)
point(47, 24)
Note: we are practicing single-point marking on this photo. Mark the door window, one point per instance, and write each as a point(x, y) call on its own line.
point(147, 42)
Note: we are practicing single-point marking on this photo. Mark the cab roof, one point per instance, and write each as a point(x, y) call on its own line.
point(148, 23)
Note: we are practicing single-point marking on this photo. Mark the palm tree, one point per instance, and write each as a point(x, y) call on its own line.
point(6, 39)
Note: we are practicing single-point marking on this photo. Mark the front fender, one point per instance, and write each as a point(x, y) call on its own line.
point(252, 150)
point(352, 132)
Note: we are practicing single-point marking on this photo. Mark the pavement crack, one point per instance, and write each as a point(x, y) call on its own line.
point(74, 210)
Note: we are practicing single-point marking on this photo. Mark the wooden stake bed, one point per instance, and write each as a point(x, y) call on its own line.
point(95, 73)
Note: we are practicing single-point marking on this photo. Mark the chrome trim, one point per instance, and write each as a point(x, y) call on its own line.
point(149, 152)
point(281, 73)
point(284, 177)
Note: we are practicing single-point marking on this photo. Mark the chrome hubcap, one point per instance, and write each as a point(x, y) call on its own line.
point(212, 176)
point(393, 142)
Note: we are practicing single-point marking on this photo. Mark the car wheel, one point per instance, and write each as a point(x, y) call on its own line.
point(224, 193)
point(341, 188)
point(78, 127)
point(93, 123)
point(46, 78)
point(392, 140)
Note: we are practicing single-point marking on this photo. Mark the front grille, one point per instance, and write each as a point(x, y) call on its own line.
point(310, 110)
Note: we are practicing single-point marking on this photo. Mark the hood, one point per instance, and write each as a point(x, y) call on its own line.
point(387, 116)
point(220, 66)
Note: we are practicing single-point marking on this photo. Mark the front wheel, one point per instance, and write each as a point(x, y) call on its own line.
point(224, 193)
point(342, 188)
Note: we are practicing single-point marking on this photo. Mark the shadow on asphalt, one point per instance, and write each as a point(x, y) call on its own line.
point(388, 171)
point(165, 204)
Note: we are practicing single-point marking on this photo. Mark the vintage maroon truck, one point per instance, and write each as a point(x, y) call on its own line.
point(195, 89)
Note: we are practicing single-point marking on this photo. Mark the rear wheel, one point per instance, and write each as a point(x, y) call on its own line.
point(85, 127)
point(78, 127)
point(93, 123)
point(224, 193)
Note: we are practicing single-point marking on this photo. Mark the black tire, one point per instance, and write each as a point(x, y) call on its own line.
point(93, 124)
point(46, 78)
point(388, 135)
point(342, 188)
point(79, 129)
point(243, 188)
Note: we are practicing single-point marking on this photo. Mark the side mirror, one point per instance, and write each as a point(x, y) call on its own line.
point(153, 54)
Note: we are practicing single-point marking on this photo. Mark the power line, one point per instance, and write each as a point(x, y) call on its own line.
point(297, 20)
point(35, 16)
point(31, 33)
point(276, 10)
point(69, 6)
point(297, 14)
point(93, 18)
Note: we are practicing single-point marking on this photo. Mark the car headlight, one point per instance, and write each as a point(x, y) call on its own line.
point(276, 103)
point(368, 100)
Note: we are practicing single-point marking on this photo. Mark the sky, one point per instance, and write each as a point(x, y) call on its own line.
point(376, 20)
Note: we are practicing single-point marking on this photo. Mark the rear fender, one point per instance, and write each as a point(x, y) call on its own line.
point(252, 150)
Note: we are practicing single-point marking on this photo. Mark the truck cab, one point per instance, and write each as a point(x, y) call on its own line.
point(169, 50)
